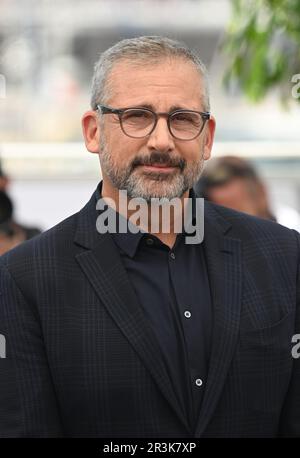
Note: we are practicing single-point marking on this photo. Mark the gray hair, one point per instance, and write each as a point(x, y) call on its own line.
point(142, 51)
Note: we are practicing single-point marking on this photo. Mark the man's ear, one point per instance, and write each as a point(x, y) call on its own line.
point(209, 137)
point(91, 131)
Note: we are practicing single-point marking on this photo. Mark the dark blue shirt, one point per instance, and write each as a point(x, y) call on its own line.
point(173, 289)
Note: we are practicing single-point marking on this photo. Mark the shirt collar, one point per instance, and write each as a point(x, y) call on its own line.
point(129, 242)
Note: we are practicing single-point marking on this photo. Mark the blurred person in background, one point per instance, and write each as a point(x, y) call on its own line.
point(139, 333)
point(11, 234)
point(10, 237)
point(22, 232)
point(234, 182)
point(6, 207)
point(4, 181)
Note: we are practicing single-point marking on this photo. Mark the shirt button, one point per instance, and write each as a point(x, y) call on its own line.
point(172, 255)
point(149, 241)
point(198, 382)
point(187, 314)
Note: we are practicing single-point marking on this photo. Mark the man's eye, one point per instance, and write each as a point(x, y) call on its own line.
point(186, 118)
point(180, 117)
point(183, 117)
point(136, 114)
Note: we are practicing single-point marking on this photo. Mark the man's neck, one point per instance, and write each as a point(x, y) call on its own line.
point(168, 237)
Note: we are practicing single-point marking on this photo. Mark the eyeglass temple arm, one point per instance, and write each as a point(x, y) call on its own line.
point(105, 110)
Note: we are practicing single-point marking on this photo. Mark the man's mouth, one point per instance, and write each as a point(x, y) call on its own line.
point(156, 167)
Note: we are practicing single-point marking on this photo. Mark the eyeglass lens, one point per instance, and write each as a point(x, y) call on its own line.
point(183, 125)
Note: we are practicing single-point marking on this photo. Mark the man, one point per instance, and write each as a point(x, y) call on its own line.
point(143, 334)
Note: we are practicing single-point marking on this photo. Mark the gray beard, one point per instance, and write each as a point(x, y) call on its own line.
point(150, 185)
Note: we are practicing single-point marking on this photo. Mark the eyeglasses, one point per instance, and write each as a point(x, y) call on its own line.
point(141, 122)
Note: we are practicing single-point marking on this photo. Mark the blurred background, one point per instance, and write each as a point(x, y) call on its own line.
point(47, 52)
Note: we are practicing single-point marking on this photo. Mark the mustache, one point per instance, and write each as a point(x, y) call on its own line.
point(158, 157)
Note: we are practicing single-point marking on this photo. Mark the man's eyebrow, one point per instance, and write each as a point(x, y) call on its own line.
point(151, 107)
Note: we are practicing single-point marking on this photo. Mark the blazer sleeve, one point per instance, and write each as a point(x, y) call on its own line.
point(290, 417)
point(28, 404)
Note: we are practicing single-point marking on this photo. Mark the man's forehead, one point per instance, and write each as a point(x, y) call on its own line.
point(175, 77)
point(157, 68)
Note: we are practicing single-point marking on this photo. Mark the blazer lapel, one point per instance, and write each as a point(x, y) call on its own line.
point(223, 255)
point(101, 263)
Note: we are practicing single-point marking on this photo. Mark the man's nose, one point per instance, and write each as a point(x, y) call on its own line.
point(161, 138)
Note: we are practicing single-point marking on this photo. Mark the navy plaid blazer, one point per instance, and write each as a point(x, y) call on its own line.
point(82, 361)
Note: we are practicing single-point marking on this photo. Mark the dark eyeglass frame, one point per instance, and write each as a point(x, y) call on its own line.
point(120, 111)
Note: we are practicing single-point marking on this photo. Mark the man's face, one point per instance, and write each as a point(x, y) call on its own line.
point(158, 165)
